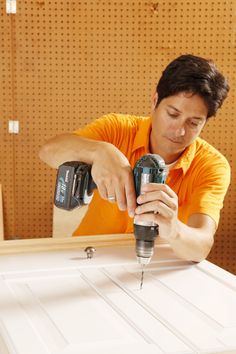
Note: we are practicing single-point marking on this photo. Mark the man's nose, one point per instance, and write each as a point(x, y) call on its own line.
point(180, 131)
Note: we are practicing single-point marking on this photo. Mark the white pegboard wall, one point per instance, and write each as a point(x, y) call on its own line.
point(76, 60)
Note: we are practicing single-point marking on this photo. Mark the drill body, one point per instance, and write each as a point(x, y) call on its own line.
point(74, 188)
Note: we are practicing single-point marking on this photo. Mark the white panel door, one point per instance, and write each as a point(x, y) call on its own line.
point(62, 303)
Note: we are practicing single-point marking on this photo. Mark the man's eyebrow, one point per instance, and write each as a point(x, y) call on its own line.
point(170, 106)
point(177, 110)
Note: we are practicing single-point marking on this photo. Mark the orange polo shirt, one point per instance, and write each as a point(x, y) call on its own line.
point(200, 177)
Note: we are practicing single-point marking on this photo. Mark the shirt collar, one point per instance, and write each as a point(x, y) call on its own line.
point(186, 158)
point(142, 136)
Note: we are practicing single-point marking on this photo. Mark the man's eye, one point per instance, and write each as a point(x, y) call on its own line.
point(194, 124)
point(172, 115)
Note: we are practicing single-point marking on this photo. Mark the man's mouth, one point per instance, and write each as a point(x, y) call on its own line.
point(175, 141)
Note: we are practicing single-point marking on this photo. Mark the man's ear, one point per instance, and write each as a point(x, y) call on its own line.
point(154, 101)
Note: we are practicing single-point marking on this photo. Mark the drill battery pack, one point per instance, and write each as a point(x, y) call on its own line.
point(74, 185)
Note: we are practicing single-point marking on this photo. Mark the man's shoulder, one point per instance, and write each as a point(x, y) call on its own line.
point(124, 125)
point(125, 119)
point(207, 152)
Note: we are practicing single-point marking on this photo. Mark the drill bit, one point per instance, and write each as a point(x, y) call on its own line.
point(142, 274)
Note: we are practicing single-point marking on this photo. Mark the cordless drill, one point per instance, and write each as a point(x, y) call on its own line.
point(74, 188)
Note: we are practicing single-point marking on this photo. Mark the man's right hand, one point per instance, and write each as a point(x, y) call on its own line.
point(113, 176)
point(111, 170)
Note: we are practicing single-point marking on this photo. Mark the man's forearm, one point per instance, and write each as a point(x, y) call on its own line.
point(69, 147)
point(191, 243)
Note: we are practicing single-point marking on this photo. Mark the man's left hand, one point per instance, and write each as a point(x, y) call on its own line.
point(159, 203)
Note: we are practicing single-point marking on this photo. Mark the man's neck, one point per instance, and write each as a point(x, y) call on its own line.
point(168, 158)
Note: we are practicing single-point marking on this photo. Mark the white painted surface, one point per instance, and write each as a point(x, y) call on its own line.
point(62, 303)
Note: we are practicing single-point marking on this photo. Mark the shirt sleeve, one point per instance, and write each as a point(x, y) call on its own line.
point(104, 128)
point(211, 187)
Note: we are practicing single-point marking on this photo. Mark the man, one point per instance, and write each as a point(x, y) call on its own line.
point(187, 207)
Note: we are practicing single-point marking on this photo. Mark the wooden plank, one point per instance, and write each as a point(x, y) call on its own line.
point(53, 244)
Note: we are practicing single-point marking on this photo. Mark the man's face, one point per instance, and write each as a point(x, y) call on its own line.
point(176, 123)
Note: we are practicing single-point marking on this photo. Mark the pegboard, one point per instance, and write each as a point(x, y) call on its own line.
point(6, 113)
point(64, 63)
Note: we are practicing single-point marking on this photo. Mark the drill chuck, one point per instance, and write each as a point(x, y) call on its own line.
point(145, 236)
point(144, 251)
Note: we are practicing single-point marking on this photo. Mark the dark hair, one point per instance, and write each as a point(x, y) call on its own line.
point(189, 73)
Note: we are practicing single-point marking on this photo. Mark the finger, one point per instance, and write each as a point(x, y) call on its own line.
point(120, 196)
point(111, 194)
point(130, 196)
point(111, 198)
point(156, 208)
point(150, 217)
point(102, 190)
point(159, 195)
point(150, 187)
